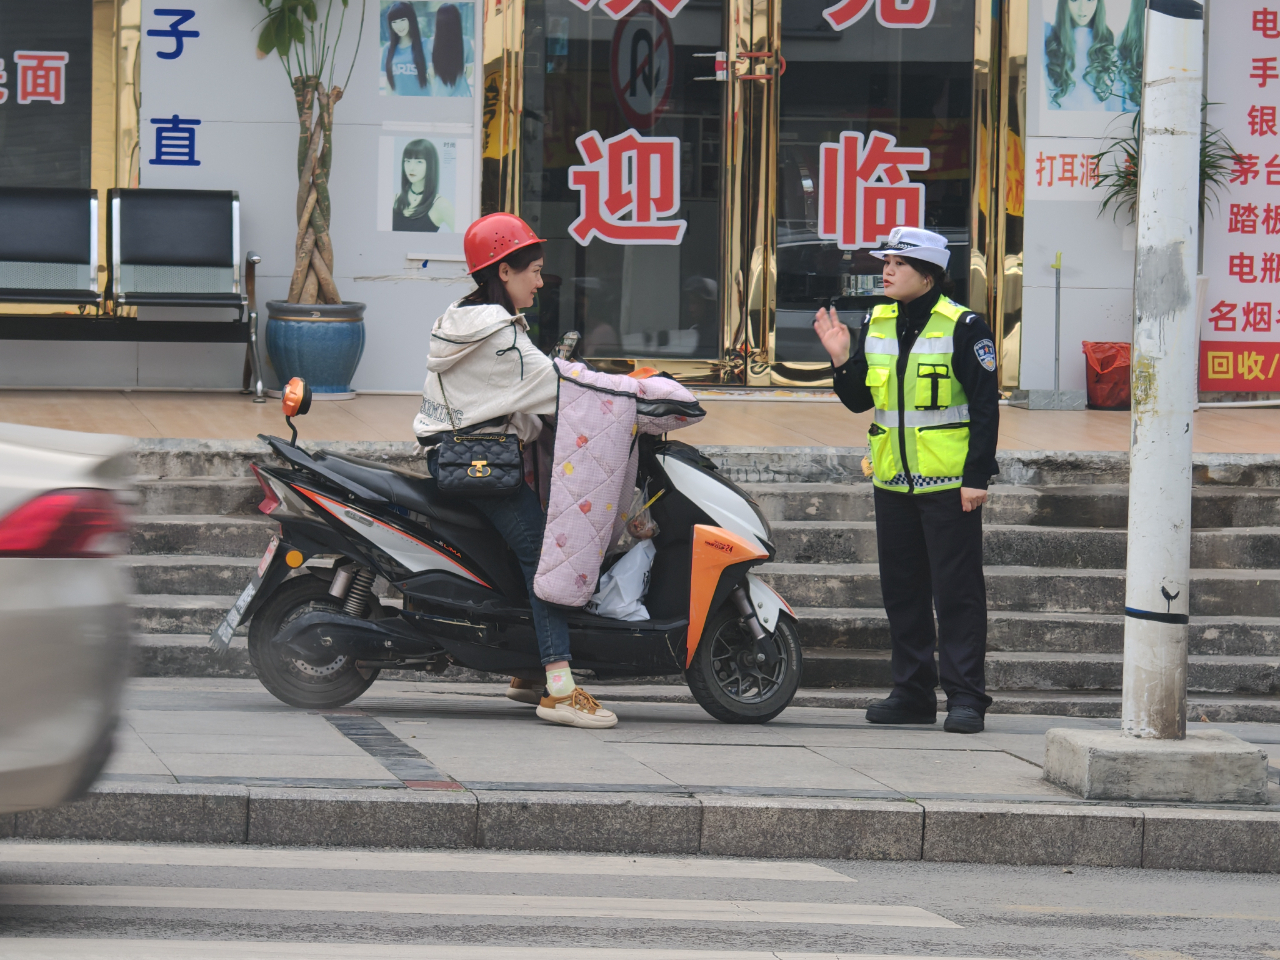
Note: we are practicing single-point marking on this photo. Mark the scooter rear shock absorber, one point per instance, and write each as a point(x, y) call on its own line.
point(359, 593)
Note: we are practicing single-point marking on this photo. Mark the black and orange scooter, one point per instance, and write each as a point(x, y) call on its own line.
point(318, 635)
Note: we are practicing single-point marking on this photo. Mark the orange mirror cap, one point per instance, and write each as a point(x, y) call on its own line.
point(296, 397)
point(642, 373)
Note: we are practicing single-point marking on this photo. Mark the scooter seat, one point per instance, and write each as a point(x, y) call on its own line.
point(406, 489)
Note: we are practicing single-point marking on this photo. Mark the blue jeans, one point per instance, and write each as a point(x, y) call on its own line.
point(520, 520)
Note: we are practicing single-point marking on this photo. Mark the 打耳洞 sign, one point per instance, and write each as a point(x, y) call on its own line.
point(1240, 323)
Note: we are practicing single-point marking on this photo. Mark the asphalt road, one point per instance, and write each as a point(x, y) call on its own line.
point(183, 902)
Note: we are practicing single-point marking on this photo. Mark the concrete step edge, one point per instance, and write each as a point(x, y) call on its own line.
point(883, 825)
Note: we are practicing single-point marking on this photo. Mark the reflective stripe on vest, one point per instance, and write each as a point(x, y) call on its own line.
point(924, 418)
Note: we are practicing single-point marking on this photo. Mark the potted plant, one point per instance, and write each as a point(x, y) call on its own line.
point(1118, 168)
point(314, 333)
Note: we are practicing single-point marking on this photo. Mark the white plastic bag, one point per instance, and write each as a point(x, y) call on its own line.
point(620, 595)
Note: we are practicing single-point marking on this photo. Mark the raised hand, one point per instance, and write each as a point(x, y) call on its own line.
point(833, 334)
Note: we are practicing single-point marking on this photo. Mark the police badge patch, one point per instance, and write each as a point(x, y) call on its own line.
point(986, 351)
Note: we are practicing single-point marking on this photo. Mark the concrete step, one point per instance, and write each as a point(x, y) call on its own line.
point(218, 496)
point(1246, 593)
point(1202, 707)
point(1034, 632)
point(854, 541)
point(161, 655)
point(202, 535)
point(165, 574)
point(1100, 505)
point(1258, 676)
point(177, 613)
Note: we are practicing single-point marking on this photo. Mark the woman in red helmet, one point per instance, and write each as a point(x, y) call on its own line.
point(486, 371)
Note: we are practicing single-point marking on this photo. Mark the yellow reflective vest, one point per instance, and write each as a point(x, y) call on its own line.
point(919, 438)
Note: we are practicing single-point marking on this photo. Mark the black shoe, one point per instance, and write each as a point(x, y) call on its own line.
point(897, 710)
point(963, 719)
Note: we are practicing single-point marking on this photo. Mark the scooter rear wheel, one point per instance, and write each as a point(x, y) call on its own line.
point(296, 682)
point(725, 680)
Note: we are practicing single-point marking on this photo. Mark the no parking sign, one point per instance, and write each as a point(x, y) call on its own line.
point(642, 64)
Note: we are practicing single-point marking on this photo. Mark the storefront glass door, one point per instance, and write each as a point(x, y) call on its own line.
point(620, 172)
point(901, 93)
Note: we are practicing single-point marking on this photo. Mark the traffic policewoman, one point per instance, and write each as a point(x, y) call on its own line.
point(928, 368)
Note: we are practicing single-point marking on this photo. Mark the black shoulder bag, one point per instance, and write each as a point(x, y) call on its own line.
point(478, 465)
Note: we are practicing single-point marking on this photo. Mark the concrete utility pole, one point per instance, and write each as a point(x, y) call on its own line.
point(1152, 757)
point(1157, 585)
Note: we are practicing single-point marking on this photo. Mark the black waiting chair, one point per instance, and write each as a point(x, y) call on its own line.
point(166, 248)
point(49, 246)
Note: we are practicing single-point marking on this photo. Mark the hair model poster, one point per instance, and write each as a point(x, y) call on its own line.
point(1086, 64)
point(428, 49)
point(424, 181)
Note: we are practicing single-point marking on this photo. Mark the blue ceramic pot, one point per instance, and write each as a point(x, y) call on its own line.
point(319, 342)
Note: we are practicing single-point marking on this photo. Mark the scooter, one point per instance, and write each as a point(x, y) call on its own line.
point(319, 635)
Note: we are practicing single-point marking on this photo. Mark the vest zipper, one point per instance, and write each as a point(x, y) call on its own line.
point(902, 423)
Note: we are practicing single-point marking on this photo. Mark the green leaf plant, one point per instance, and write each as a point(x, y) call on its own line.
point(306, 41)
point(1118, 168)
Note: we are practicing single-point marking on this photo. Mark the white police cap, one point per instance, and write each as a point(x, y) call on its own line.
point(916, 244)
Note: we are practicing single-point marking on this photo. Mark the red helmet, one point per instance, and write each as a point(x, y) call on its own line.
point(491, 238)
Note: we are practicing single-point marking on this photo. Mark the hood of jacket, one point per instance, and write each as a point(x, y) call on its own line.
point(462, 328)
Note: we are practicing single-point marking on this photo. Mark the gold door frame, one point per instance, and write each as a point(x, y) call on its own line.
point(748, 169)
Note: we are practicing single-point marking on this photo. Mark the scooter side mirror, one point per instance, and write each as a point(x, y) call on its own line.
point(296, 397)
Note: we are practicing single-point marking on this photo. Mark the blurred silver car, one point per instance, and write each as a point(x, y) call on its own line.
point(64, 616)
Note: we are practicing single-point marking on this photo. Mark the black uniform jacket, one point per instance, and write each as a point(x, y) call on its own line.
point(972, 343)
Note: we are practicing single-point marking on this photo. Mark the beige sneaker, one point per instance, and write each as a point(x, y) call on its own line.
point(525, 691)
point(578, 709)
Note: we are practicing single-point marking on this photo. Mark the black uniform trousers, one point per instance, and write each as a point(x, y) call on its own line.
point(931, 556)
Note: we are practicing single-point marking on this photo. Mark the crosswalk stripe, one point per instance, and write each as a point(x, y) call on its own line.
point(413, 861)
point(337, 901)
point(68, 949)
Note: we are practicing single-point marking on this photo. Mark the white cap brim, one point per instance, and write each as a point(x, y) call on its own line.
point(929, 254)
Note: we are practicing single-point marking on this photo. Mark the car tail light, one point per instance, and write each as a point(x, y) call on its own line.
point(65, 523)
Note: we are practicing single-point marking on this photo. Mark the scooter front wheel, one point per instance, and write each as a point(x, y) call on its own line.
point(726, 680)
point(296, 682)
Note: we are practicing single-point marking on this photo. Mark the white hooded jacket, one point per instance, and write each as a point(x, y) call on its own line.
point(490, 368)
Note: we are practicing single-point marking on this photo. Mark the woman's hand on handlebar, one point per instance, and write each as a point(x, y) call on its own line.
point(833, 334)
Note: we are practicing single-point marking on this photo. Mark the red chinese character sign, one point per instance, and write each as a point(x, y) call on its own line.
point(901, 14)
point(864, 189)
point(617, 9)
point(1240, 320)
point(628, 185)
point(46, 92)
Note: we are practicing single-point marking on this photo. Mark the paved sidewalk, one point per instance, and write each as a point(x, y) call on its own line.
point(446, 764)
point(440, 735)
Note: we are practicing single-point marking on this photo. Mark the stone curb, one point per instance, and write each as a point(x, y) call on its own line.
point(1025, 834)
